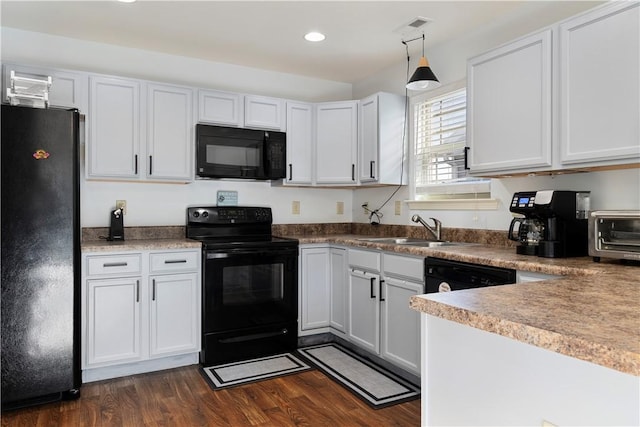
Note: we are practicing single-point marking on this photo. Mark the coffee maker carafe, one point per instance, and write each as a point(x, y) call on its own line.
point(527, 232)
point(559, 216)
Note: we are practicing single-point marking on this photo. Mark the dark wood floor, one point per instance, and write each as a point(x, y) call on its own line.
point(181, 397)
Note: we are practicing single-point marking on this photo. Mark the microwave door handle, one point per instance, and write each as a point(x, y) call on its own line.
point(265, 154)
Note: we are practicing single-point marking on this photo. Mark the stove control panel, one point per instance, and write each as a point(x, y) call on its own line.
point(229, 215)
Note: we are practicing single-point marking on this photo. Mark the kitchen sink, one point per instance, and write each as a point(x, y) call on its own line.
point(412, 241)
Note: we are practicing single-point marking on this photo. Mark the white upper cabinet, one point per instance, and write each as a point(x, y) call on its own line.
point(170, 125)
point(336, 142)
point(382, 142)
point(68, 88)
point(264, 113)
point(221, 108)
point(114, 123)
point(600, 85)
point(299, 143)
point(116, 112)
point(560, 99)
point(509, 106)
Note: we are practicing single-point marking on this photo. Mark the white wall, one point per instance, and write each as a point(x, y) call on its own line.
point(609, 190)
point(164, 204)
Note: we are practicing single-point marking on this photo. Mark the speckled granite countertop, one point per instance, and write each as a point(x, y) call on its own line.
point(592, 314)
point(139, 245)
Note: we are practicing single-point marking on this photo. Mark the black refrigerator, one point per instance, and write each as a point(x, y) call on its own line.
point(40, 256)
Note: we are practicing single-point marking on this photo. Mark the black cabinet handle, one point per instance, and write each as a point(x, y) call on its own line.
point(381, 298)
point(372, 284)
point(466, 158)
point(150, 165)
point(353, 172)
point(372, 165)
point(114, 264)
point(290, 172)
point(136, 165)
point(137, 290)
point(153, 290)
point(175, 261)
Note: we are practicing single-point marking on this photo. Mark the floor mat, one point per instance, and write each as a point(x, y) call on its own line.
point(375, 385)
point(238, 373)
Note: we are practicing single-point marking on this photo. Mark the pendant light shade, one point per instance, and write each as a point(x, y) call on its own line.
point(423, 78)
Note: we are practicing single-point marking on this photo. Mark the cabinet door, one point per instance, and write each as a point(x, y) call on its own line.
point(509, 106)
point(264, 113)
point(336, 142)
point(339, 287)
point(599, 85)
point(114, 121)
point(400, 324)
point(368, 140)
point(113, 321)
point(299, 143)
point(364, 310)
point(175, 316)
point(222, 108)
point(68, 89)
point(169, 133)
point(315, 288)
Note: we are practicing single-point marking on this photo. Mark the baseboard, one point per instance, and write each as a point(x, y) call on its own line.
point(115, 371)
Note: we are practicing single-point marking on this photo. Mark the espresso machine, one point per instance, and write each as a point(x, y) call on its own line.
point(551, 223)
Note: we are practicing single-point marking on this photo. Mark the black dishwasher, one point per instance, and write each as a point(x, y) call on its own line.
point(444, 275)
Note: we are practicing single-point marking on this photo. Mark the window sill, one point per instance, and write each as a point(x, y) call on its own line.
point(454, 204)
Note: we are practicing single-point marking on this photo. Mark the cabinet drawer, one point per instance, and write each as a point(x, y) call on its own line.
point(364, 259)
point(397, 265)
point(173, 261)
point(113, 265)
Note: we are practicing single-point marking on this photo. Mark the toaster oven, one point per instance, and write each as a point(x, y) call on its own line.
point(614, 234)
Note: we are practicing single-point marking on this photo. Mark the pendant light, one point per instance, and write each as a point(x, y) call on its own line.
point(423, 78)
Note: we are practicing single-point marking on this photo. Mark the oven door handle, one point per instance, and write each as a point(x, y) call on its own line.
point(253, 252)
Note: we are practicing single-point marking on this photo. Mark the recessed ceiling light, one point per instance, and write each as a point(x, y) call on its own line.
point(126, 1)
point(314, 36)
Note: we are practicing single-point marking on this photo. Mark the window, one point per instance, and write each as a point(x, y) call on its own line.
point(439, 150)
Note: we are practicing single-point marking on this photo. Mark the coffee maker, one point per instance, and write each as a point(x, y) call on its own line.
point(552, 223)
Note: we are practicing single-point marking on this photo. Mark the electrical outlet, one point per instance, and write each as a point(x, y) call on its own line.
point(295, 207)
point(340, 208)
point(365, 205)
point(122, 204)
point(398, 207)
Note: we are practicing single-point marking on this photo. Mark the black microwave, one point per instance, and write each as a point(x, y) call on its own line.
point(228, 152)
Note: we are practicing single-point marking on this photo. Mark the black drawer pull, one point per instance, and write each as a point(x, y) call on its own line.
point(114, 264)
point(175, 261)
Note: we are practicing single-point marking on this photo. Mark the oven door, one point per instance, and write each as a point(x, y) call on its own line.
point(248, 288)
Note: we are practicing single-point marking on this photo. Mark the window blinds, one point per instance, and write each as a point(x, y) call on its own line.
point(440, 140)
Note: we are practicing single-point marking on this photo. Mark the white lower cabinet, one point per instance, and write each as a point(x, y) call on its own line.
point(322, 295)
point(140, 312)
point(400, 324)
point(173, 327)
point(364, 309)
point(380, 319)
point(113, 321)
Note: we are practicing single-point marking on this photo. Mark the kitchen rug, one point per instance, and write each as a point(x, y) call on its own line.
point(375, 385)
point(247, 371)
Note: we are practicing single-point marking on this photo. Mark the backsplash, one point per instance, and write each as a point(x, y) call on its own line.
point(487, 237)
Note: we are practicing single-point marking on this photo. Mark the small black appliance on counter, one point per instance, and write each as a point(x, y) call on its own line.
point(553, 224)
point(116, 225)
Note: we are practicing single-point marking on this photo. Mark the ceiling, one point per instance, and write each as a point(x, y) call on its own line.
point(267, 34)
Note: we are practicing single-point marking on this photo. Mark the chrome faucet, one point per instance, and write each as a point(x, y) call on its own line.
point(436, 230)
